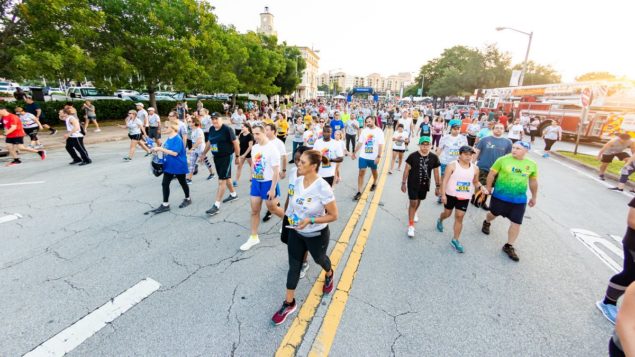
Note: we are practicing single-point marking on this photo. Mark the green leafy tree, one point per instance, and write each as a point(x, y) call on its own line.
point(596, 76)
point(538, 74)
point(324, 88)
point(291, 75)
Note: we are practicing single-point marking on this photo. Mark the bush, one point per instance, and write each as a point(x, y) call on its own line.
point(111, 109)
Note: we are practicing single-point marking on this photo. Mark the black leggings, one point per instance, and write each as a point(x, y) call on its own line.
point(619, 282)
point(350, 139)
point(436, 139)
point(167, 178)
point(297, 246)
point(614, 351)
point(549, 143)
point(74, 146)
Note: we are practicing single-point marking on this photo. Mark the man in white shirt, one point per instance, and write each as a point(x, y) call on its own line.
point(142, 115)
point(372, 139)
point(333, 151)
point(237, 119)
point(270, 132)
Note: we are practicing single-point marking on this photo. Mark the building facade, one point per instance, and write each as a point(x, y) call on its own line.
point(308, 87)
point(379, 83)
point(266, 23)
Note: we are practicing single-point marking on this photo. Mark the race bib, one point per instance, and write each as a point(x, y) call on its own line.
point(463, 187)
point(214, 147)
point(291, 190)
point(294, 220)
point(453, 152)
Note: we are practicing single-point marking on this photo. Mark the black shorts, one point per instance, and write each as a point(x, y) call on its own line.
point(608, 158)
point(15, 141)
point(32, 132)
point(417, 192)
point(136, 137)
point(154, 132)
point(223, 166)
point(513, 211)
point(398, 150)
point(189, 144)
point(329, 180)
point(453, 202)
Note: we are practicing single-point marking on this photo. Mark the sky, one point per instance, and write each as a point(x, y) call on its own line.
point(389, 37)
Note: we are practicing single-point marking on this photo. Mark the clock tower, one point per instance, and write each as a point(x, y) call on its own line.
point(266, 23)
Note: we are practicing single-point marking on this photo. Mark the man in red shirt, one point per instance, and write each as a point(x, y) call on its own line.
point(14, 134)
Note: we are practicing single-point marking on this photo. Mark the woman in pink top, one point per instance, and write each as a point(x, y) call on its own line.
point(437, 131)
point(459, 182)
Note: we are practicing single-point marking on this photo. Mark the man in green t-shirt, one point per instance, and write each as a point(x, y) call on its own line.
point(513, 173)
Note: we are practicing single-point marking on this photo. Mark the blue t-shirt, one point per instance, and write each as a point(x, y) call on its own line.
point(336, 125)
point(491, 148)
point(425, 129)
point(175, 164)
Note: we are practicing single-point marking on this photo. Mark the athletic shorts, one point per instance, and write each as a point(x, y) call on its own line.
point(455, 203)
point(15, 141)
point(330, 180)
point(92, 117)
point(223, 166)
point(136, 137)
point(366, 164)
point(417, 192)
point(189, 144)
point(260, 189)
point(608, 158)
point(154, 132)
point(32, 132)
point(513, 211)
point(398, 150)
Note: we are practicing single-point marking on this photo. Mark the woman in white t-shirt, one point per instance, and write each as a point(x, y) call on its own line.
point(198, 144)
point(399, 143)
point(550, 135)
point(136, 132)
point(309, 136)
point(311, 207)
point(515, 131)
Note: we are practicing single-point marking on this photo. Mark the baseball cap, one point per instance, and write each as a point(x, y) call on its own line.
point(456, 126)
point(141, 104)
point(424, 139)
point(466, 148)
point(526, 145)
point(214, 115)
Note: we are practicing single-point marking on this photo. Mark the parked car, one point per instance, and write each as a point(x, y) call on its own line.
point(146, 98)
point(122, 92)
point(88, 93)
point(7, 89)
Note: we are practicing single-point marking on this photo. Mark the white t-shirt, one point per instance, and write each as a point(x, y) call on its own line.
point(134, 126)
point(293, 175)
point(206, 123)
point(237, 120)
point(142, 115)
point(309, 202)
point(309, 138)
point(153, 120)
point(28, 121)
point(450, 146)
point(371, 139)
point(280, 146)
point(515, 131)
point(399, 145)
point(264, 158)
point(331, 149)
point(406, 122)
point(196, 134)
point(553, 132)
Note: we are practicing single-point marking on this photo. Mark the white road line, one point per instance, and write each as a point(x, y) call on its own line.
point(74, 335)
point(594, 178)
point(9, 218)
point(593, 242)
point(21, 183)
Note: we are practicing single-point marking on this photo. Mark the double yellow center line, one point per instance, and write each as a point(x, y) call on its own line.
point(322, 345)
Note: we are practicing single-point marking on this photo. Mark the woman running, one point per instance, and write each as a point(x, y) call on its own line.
point(90, 115)
point(135, 132)
point(246, 142)
point(31, 126)
point(311, 207)
point(400, 141)
point(550, 135)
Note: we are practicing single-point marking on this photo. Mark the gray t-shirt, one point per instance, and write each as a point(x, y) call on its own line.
point(491, 148)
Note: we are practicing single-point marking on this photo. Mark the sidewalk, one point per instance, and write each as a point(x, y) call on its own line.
point(107, 134)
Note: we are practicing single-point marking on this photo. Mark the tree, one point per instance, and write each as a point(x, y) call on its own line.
point(323, 88)
point(538, 74)
point(291, 75)
point(596, 76)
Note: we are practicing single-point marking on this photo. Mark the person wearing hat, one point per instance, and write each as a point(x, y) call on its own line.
point(459, 183)
point(420, 165)
point(154, 126)
point(448, 149)
point(513, 173)
point(142, 115)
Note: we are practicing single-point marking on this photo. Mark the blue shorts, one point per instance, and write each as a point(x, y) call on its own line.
point(364, 164)
point(260, 189)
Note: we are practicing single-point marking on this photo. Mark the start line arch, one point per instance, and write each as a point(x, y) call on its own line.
point(369, 90)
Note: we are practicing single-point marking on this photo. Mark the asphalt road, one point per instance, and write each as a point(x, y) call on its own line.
point(83, 239)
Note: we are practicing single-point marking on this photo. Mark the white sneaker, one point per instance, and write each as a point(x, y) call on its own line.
point(416, 218)
point(411, 231)
point(249, 243)
point(305, 268)
point(97, 130)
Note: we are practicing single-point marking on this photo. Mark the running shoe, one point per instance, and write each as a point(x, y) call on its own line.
point(212, 211)
point(439, 225)
point(84, 163)
point(457, 245)
point(511, 252)
point(97, 130)
point(42, 154)
point(148, 154)
point(281, 315)
point(602, 177)
point(373, 187)
point(266, 217)
point(127, 159)
point(389, 172)
point(616, 189)
point(546, 156)
point(195, 170)
point(235, 183)
point(357, 196)
point(53, 131)
point(305, 268)
point(162, 209)
point(14, 163)
point(230, 198)
point(328, 283)
point(609, 311)
point(416, 218)
point(411, 231)
point(253, 240)
point(485, 228)
point(186, 202)
point(188, 181)
point(211, 176)
point(74, 162)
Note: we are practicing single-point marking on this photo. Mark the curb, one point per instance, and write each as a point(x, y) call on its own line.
point(91, 141)
point(596, 171)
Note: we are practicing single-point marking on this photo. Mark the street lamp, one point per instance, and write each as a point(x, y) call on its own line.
point(530, 34)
